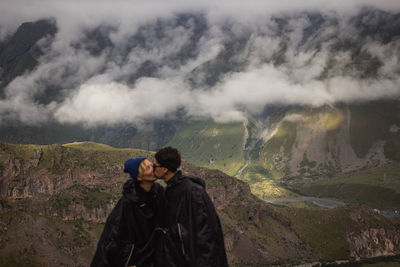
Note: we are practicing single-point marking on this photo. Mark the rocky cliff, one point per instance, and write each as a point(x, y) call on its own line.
point(334, 140)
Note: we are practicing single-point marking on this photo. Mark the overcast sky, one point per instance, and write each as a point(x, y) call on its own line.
point(89, 94)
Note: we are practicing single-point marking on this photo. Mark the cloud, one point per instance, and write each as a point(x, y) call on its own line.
point(75, 14)
point(253, 89)
point(253, 59)
point(102, 101)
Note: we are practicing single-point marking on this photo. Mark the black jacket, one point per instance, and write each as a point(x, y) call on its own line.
point(127, 234)
point(193, 222)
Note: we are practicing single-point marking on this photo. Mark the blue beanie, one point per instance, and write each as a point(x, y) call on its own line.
point(131, 166)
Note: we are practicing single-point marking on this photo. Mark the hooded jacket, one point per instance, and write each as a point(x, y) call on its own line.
point(127, 236)
point(193, 222)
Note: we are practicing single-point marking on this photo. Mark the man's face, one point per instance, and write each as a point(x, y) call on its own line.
point(148, 174)
point(159, 171)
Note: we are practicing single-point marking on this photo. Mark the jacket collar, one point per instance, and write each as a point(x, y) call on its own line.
point(176, 179)
point(131, 188)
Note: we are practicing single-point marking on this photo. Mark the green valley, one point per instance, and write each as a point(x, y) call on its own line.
point(212, 145)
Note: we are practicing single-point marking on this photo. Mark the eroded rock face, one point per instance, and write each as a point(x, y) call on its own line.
point(324, 144)
point(77, 211)
point(374, 242)
point(375, 238)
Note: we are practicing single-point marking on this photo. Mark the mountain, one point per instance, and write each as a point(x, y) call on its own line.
point(297, 144)
point(20, 53)
point(43, 69)
point(295, 105)
point(273, 145)
point(55, 199)
point(307, 144)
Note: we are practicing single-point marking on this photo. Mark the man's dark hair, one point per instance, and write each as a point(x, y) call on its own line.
point(169, 158)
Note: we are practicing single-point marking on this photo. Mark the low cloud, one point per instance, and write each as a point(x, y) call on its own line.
point(108, 102)
point(101, 102)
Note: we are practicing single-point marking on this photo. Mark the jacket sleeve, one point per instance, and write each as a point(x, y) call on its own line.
point(108, 246)
point(209, 248)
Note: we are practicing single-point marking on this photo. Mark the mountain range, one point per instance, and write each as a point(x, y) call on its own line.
point(285, 106)
point(272, 140)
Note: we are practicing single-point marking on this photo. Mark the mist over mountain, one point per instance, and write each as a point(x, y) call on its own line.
point(193, 62)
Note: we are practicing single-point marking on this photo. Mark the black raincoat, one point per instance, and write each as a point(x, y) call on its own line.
point(193, 223)
point(128, 235)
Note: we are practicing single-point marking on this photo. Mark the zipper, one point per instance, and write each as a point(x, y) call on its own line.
point(180, 235)
point(130, 255)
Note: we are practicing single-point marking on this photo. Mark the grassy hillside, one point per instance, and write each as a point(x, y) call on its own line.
point(373, 121)
point(212, 145)
point(378, 187)
point(55, 199)
point(278, 149)
point(327, 230)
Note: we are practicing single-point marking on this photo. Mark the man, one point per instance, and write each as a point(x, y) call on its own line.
point(190, 215)
point(127, 238)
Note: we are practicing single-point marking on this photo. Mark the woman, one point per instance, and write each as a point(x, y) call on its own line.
point(128, 235)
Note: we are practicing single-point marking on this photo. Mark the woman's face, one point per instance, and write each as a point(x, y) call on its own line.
point(148, 174)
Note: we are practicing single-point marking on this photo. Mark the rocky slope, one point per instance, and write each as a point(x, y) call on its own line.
point(65, 192)
point(333, 140)
point(55, 198)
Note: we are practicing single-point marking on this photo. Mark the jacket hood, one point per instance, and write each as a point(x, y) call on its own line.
point(197, 181)
point(178, 178)
point(129, 190)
